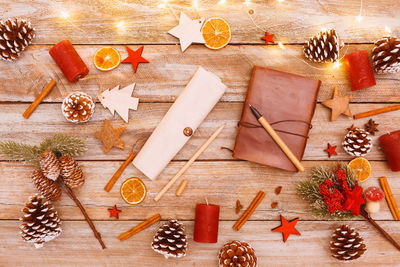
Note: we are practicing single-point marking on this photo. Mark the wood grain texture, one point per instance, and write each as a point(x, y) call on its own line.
point(221, 182)
point(143, 121)
point(312, 245)
point(170, 70)
point(292, 21)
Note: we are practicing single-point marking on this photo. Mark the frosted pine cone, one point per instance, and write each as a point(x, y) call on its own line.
point(78, 107)
point(48, 188)
point(347, 244)
point(357, 142)
point(15, 36)
point(237, 254)
point(40, 221)
point(386, 55)
point(71, 172)
point(323, 47)
point(170, 240)
point(49, 165)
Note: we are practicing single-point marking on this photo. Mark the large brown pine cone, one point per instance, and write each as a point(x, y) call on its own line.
point(170, 240)
point(40, 221)
point(15, 36)
point(48, 188)
point(78, 107)
point(357, 142)
point(49, 165)
point(386, 55)
point(71, 172)
point(323, 47)
point(237, 254)
point(347, 244)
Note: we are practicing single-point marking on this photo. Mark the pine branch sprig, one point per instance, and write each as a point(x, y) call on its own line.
point(20, 152)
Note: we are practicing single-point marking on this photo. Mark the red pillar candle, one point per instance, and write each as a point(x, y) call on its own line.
point(391, 146)
point(206, 223)
point(359, 70)
point(68, 60)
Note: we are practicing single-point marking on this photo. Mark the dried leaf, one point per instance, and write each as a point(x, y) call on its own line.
point(278, 190)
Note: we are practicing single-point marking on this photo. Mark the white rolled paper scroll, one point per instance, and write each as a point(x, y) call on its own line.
point(190, 108)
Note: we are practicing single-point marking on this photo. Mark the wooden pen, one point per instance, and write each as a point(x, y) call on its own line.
point(276, 138)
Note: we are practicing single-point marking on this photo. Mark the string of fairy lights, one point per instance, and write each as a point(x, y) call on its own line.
point(166, 4)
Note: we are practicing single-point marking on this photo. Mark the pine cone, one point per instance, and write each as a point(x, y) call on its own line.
point(386, 55)
point(347, 244)
point(323, 47)
point(170, 240)
point(78, 107)
point(237, 254)
point(71, 172)
point(357, 142)
point(15, 36)
point(49, 165)
point(40, 222)
point(48, 188)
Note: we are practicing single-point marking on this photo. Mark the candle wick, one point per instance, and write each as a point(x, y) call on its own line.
point(207, 201)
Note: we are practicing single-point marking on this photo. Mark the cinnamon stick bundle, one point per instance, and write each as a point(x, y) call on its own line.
point(389, 198)
point(249, 211)
point(140, 227)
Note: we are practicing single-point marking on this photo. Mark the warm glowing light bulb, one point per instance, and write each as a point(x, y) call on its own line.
point(280, 1)
point(163, 4)
point(336, 64)
point(247, 2)
point(120, 25)
point(359, 18)
point(281, 46)
point(221, 2)
point(388, 29)
point(195, 5)
point(64, 14)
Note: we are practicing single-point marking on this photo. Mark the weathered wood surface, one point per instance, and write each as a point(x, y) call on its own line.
point(227, 182)
point(312, 245)
point(143, 121)
point(95, 22)
point(170, 70)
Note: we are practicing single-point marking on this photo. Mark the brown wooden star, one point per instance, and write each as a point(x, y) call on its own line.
point(339, 104)
point(110, 136)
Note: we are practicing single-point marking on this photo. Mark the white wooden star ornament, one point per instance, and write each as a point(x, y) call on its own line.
point(119, 100)
point(188, 31)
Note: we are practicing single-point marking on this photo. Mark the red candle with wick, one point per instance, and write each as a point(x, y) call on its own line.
point(391, 146)
point(206, 223)
point(359, 70)
point(68, 60)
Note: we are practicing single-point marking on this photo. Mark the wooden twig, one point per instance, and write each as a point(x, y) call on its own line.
point(365, 214)
point(39, 99)
point(72, 195)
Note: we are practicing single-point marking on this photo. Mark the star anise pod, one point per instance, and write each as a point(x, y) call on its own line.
point(351, 128)
point(371, 126)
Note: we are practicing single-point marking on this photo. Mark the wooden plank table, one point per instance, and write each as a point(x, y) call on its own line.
point(91, 25)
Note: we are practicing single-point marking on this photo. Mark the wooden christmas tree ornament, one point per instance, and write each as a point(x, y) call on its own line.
point(119, 100)
point(339, 104)
point(110, 136)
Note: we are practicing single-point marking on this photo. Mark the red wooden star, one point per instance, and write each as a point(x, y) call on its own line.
point(268, 38)
point(331, 150)
point(114, 212)
point(135, 57)
point(287, 228)
point(354, 200)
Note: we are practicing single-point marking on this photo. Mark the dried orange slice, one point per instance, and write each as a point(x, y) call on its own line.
point(107, 58)
point(133, 191)
point(361, 168)
point(216, 32)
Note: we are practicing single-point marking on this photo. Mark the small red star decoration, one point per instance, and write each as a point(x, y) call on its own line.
point(268, 38)
point(287, 228)
point(354, 200)
point(135, 57)
point(331, 150)
point(114, 212)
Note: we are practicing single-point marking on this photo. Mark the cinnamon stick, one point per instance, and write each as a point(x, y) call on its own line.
point(389, 198)
point(376, 111)
point(140, 227)
point(72, 195)
point(118, 173)
point(365, 214)
point(249, 211)
point(38, 99)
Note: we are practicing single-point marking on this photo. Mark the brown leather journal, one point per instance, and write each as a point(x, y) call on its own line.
point(287, 101)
